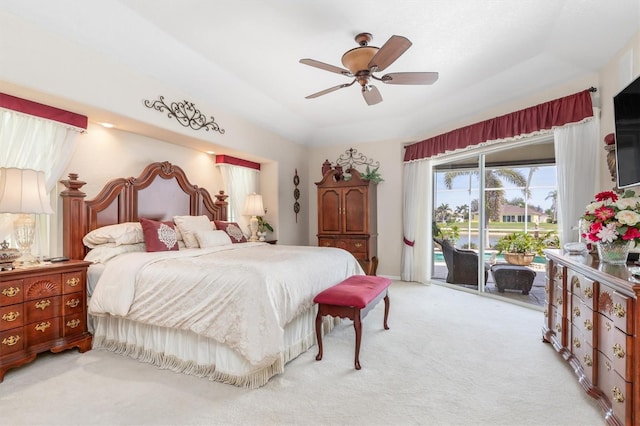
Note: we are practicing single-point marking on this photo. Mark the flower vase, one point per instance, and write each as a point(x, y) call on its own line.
point(615, 252)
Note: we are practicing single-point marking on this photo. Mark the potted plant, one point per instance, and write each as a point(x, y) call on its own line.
point(263, 227)
point(520, 248)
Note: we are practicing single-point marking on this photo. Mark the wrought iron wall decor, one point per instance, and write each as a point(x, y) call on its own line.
point(352, 157)
point(296, 194)
point(186, 113)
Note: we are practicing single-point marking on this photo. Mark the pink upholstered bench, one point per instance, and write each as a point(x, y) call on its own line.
point(352, 298)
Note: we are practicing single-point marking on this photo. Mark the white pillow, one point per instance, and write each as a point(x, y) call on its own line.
point(105, 252)
point(213, 238)
point(119, 234)
point(189, 225)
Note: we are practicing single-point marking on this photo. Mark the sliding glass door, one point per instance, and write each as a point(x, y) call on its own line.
point(479, 199)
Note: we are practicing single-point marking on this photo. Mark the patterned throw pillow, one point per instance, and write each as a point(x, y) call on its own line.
point(159, 236)
point(232, 229)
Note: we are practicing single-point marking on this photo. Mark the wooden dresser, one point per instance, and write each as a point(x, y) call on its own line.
point(42, 308)
point(347, 216)
point(592, 319)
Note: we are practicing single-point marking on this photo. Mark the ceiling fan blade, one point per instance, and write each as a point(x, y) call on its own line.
point(410, 78)
point(329, 90)
point(326, 67)
point(389, 52)
point(371, 94)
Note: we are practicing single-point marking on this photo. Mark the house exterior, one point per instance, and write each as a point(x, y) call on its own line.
point(511, 213)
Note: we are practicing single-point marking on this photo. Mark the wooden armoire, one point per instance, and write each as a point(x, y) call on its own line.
point(347, 216)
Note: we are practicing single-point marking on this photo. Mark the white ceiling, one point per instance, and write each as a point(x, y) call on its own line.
point(243, 55)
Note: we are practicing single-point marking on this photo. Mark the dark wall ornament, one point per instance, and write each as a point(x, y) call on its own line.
point(186, 113)
point(296, 194)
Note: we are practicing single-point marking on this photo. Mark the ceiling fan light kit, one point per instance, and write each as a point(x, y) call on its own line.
point(362, 61)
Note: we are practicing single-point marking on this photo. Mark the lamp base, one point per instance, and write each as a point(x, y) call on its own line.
point(24, 229)
point(26, 260)
point(253, 226)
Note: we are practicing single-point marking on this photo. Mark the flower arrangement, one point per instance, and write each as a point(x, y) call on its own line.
point(612, 218)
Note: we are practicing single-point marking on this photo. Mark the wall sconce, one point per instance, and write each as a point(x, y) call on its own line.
point(22, 191)
point(253, 207)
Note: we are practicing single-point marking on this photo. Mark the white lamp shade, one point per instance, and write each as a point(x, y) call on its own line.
point(253, 205)
point(23, 191)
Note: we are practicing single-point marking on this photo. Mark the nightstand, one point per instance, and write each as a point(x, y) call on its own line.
point(42, 308)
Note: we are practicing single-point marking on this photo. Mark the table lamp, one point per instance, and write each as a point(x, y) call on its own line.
point(253, 207)
point(22, 191)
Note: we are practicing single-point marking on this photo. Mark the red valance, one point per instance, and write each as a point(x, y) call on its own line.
point(43, 111)
point(227, 159)
point(545, 116)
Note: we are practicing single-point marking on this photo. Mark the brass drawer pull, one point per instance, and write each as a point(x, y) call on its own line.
point(576, 342)
point(43, 326)
point(617, 394)
point(11, 340)
point(558, 327)
point(587, 361)
point(588, 324)
point(588, 292)
point(73, 323)
point(72, 282)
point(619, 310)
point(576, 311)
point(618, 350)
point(607, 326)
point(358, 245)
point(608, 365)
point(72, 303)
point(559, 300)
point(11, 291)
point(43, 304)
point(575, 282)
point(11, 316)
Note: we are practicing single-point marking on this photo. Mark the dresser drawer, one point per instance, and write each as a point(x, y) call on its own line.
point(618, 307)
point(42, 331)
point(582, 319)
point(72, 282)
point(583, 351)
point(581, 287)
point(617, 391)
point(72, 303)
point(614, 344)
point(11, 292)
point(42, 286)
point(11, 341)
point(11, 317)
point(74, 324)
point(36, 310)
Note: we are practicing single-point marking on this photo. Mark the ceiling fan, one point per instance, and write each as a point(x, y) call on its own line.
point(362, 61)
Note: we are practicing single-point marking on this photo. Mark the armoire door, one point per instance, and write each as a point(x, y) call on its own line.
point(329, 212)
point(355, 211)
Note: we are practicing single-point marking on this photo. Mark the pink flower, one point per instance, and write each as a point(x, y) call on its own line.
point(604, 213)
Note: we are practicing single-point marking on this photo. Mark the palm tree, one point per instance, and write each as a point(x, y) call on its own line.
point(494, 198)
point(554, 204)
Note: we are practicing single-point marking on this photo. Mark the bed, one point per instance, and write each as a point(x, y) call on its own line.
point(234, 312)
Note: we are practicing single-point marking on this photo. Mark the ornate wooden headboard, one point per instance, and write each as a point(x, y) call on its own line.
point(160, 192)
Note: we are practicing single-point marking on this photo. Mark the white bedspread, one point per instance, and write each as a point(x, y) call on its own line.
point(241, 295)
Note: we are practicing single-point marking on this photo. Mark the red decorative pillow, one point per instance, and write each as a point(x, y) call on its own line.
point(232, 229)
point(159, 236)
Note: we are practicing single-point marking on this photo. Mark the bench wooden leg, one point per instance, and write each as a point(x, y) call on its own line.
point(319, 332)
point(386, 311)
point(357, 325)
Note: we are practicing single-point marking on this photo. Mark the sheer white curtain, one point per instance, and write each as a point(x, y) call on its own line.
point(31, 142)
point(576, 147)
point(239, 182)
point(415, 224)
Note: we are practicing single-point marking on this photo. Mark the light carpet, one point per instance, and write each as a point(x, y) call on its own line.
point(449, 358)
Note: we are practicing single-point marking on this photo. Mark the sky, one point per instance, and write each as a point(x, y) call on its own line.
point(543, 181)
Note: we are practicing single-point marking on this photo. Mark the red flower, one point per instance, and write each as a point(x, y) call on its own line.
point(607, 195)
point(593, 231)
point(631, 234)
point(604, 213)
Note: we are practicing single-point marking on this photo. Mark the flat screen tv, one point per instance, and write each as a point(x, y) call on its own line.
point(626, 109)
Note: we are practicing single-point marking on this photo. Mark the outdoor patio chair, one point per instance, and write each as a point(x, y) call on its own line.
point(462, 265)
